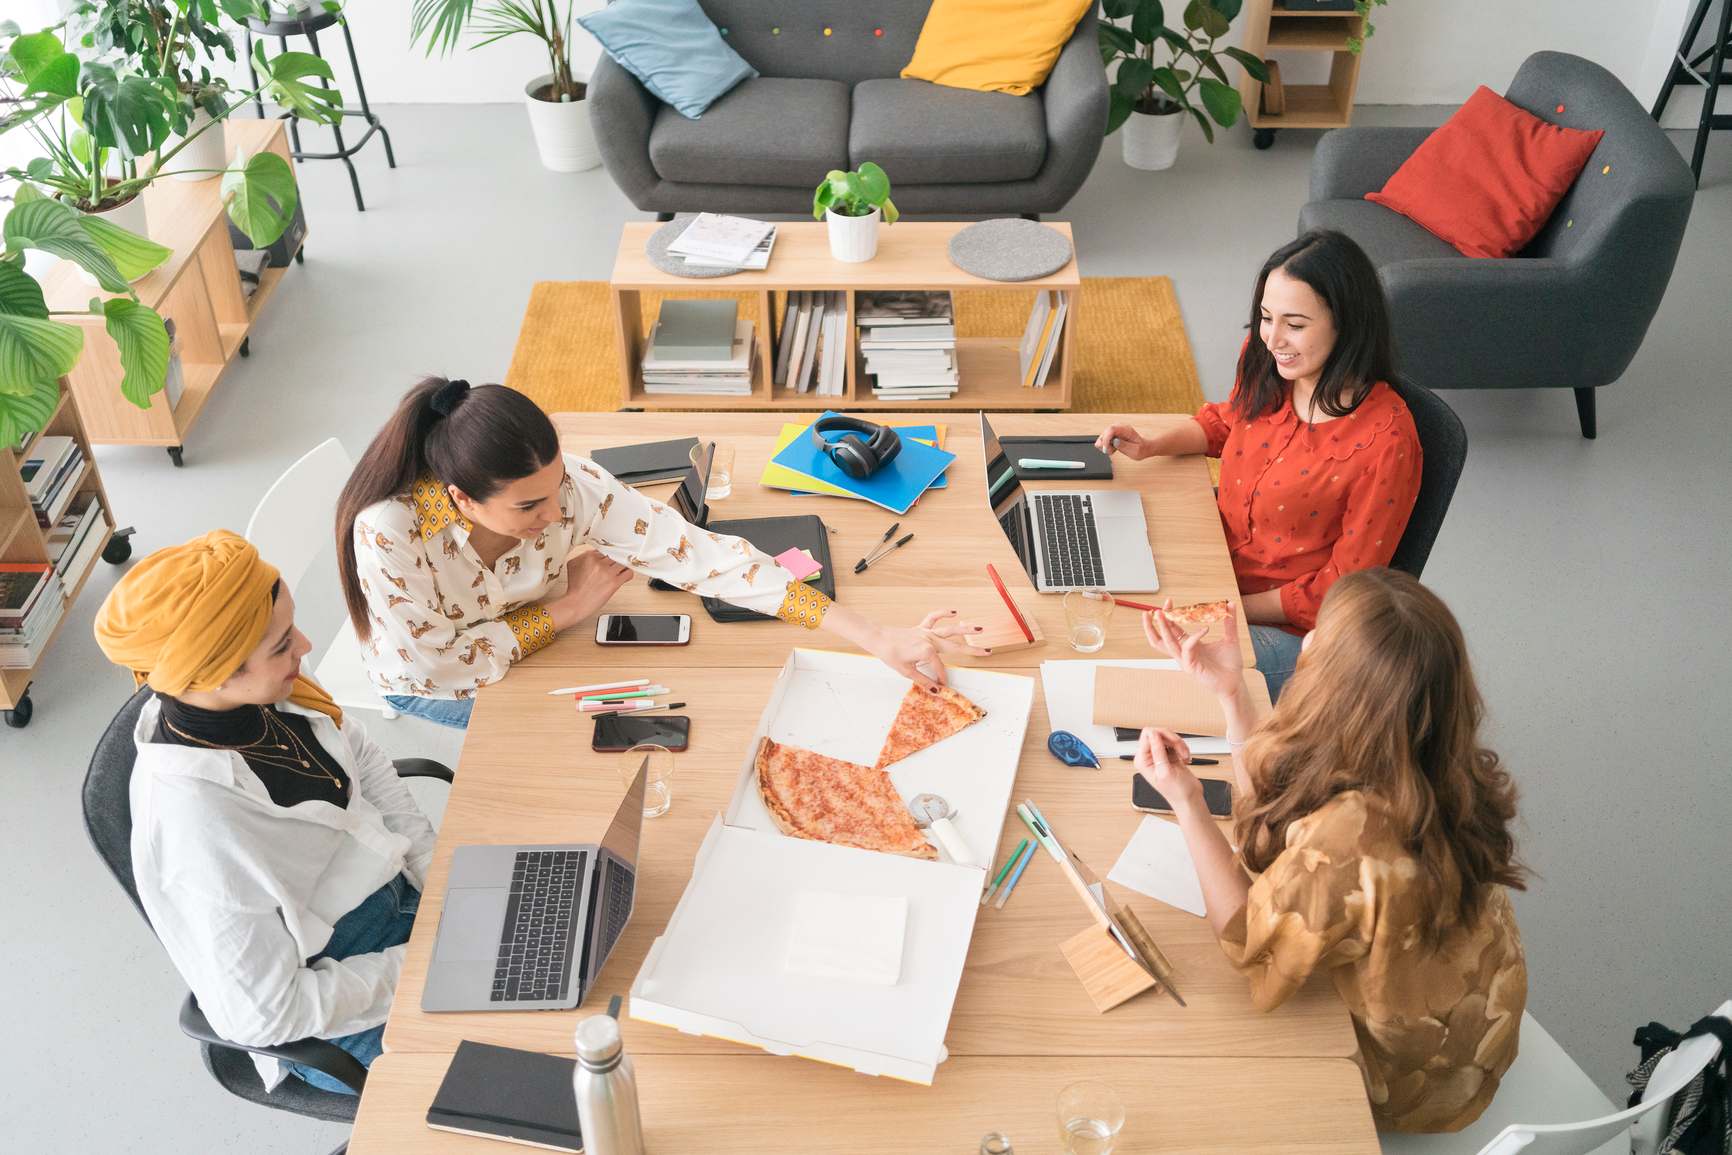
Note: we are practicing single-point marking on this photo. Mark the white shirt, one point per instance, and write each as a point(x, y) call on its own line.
point(443, 624)
point(242, 891)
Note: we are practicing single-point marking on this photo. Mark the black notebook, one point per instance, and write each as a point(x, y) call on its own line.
point(774, 535)
point(1097, 466)
point(501, 1093)
point(652, 461)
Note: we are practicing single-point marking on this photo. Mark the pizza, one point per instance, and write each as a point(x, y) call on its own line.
point(811, 795)
point(926, 717)
point(1199, 616)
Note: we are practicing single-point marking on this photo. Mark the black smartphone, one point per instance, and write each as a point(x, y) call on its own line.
point(643, 629)
point(1217, 796)
point(617, 732)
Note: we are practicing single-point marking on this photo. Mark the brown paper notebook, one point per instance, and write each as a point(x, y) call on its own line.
point(1169, 698)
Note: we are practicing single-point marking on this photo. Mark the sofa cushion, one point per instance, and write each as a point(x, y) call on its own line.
point(993, 45)
point(767, 131)
point(926, 134)
point(1385, 235)
point(672, 47)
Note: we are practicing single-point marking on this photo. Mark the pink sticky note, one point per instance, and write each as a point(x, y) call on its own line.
point(798, 562)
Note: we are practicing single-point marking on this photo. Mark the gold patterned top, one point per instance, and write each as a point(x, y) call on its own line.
point(1437, 1026)
point(443, 624)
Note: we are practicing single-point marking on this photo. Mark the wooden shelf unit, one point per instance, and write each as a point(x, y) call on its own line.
point(198, 288)
point(911, 255)
point(23, 540)
point(1269, 29)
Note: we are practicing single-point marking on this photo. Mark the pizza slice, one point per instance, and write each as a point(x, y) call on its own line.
point(1199, 616)
point(811, 795)
point(925, 718)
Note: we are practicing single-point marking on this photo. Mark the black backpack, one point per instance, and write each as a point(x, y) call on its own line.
point(1699, 1120)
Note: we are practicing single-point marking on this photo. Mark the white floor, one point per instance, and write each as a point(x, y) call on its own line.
point(1591, 578)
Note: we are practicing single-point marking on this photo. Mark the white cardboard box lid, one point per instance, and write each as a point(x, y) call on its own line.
point(717, 968)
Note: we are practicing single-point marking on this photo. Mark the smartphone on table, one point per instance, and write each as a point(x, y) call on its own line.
point(1217, 796)
point(617, 732)
point(643, 629)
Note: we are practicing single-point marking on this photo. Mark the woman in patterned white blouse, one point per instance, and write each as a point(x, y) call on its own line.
point(455, 535)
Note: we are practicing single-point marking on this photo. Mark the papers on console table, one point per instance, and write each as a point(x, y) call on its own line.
point(1157, 863)
point(716, 238)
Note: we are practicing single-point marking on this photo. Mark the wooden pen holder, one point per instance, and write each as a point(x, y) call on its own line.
point(1108, 974)
point(999, 630)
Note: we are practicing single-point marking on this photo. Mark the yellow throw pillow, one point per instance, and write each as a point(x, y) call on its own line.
point(993, 45)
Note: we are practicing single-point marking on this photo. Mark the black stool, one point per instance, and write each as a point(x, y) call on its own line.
point(1687, 68)
point(309, 24)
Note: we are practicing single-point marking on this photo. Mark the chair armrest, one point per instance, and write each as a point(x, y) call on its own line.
point(423, 768)
point(622, 112)
point(1350, 162)
point(1075, 93)
point(319, 1054)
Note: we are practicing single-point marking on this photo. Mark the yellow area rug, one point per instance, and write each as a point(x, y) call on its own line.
point(1134, 356)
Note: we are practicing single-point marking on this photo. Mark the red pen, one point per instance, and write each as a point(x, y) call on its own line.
point(1133, 605)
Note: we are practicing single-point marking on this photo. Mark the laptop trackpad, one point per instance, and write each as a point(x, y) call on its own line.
point(470, 927)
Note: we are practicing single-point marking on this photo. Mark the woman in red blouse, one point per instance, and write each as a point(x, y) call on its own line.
point(1320, 462)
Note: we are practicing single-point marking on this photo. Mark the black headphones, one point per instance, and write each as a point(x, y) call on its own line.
point(858, 457)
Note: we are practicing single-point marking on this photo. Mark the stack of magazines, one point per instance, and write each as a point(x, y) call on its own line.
point(31, 602)
point(75, 540)
point(51, 472)
point(812, 356)
point(700, 348)
point(908, 338)
point(714, 241)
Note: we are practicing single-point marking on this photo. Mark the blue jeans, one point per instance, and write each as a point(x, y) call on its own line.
point(384, 919)
point(1277, 653)
point(452, 712)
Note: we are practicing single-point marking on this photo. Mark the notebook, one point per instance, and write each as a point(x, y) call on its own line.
point(1097, 466)
point(774, 535)
point(651, 461)
point(778, 477)
point(896, 487)
point(500, 1093)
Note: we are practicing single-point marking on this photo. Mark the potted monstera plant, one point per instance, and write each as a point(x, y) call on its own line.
point(1166, 74)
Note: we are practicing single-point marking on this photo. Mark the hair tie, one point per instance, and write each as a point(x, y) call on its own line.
point(448, 396)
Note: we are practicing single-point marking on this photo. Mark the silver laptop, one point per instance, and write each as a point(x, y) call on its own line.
point(1068, 539)
point(528, 928)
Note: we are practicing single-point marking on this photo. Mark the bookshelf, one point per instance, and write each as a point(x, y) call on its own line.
point(911, 255)
point(1270, 28)
point(198, 287)
point(23, 540)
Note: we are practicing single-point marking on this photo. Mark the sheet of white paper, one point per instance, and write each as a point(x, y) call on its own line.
point(1156, 862)
point(1070, 705)
point(853, 937)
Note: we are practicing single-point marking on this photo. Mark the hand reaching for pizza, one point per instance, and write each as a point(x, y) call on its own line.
point(1218, 665)
point(1163, 756)
point(917, 653)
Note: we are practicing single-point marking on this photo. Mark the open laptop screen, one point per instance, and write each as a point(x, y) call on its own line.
point(695, 486)
point(1004, 495)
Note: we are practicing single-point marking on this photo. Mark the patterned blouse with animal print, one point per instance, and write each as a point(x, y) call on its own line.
point(444, 625)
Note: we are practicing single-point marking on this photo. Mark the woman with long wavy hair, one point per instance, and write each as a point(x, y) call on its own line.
point(1374, 843)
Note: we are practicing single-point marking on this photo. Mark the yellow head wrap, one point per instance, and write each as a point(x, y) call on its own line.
point(186, 617)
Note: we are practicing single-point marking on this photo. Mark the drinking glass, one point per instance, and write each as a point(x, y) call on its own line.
point(1090, 1117)
point(658, 784)
point(721, 470)
point(1085, 618)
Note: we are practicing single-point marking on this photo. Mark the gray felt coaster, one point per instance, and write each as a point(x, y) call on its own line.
point(1009, 250)
point(656, 249)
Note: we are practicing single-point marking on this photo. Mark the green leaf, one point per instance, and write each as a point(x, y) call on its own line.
point(874, 183)
point(1119, 110)
point(1213, 64)
point(285, 79)
point(143, 343)
point(891, 213)
point(34, 350)
point(1222, 101)
point(1115, 40)
point(20, 295)
point(128, 113)
point(1227, 8)
point(1176, 41)
point(32, 53)
point(261, 197)
point(58, 79)
point(1250, 63)
point(1168, 81)
point(439, 23)
point(132, 254)
point(1135, 76)
point(1203, 122)
point(1215, 25)
point(28, 410)
point(39, 223)
point(822, 196)
point(1194, 14)
point(1148, 21)
point(1119, 9)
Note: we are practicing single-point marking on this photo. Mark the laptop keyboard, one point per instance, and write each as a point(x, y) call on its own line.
point(618, 891)
point(1070, 549)
point(535, 948)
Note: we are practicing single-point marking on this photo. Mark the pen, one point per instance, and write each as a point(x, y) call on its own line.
point(1015, 877)
point(1004, 870)
point(592, 707)
point(888, 534)
point(861, 565)
point(640, 709)
point(631, 684)
point(1130, 605)
point(1192, 762)
point(1047, 463)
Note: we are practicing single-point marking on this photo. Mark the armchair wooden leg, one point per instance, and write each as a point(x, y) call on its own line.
point(1585, 411)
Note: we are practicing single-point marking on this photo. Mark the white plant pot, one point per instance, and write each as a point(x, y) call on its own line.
point(852, 239)
point(205, 152)
point(1151, 141)
point(129, 216)
point(562, 130)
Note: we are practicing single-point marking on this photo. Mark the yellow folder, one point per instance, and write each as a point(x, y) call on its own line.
point(781, 477)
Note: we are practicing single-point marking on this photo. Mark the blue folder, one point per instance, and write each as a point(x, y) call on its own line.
point(894, 487)
point(924, 432)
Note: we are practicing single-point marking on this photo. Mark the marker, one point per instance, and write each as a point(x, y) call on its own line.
point(619, 695)
point(1047, 463)
point(640, 709)
point(620, 707)
point(633, 684)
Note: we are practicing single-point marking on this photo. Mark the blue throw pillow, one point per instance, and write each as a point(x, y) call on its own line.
point(672, 47)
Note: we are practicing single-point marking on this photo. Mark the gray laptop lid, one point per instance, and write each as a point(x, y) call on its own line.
point(618, 878)
point(1005, 497)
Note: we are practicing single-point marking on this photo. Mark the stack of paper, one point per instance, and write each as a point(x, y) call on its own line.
point(67, 540)
point(723, 242)
point(812, 356)
point(908, 338)
point(1040, 337)
point(31, 602)
point(679, 361)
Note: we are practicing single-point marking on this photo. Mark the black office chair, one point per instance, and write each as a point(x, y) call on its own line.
point(108, 821)
point(1444, 442)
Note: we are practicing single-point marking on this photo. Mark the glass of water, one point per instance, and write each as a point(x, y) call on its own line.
point(721, 469)
point(658, 784)
point(1090, 1117)
point(1086, 613)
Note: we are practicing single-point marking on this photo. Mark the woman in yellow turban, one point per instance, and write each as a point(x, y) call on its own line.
point(278, 855)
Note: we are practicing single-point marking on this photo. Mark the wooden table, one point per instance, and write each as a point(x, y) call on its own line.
point(1216, 1072)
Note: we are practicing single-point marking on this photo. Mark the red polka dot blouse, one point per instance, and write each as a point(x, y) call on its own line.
point(1303, 504)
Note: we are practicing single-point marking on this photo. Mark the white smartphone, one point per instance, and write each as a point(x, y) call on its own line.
point(643, 629)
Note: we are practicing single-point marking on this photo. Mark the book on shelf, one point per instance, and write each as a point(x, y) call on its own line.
point(19, 650)
point(22, 588)
point(787, 336)
point(692, 330)
point(717, 237)
point(729, 376)
point(44, 462)
point(1040, 337)
point(82, 555)
point(80, 521)
point(907, 337)
point(902, 307)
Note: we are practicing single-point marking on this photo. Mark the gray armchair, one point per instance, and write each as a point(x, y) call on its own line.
point(823, 102)
point(1569, 311)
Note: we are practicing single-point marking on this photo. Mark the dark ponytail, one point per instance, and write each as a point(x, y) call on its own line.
point(478, 439)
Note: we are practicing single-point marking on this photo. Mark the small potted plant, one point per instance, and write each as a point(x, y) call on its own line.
point(1150, 99)
point(851, 204)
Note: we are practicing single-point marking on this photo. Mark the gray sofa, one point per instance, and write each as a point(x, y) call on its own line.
point(824, 102)
point(1569, 311)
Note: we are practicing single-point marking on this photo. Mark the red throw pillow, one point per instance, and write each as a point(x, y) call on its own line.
point(1488, 180)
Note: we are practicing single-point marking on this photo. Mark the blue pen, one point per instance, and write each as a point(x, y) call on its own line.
point(1015, 876)
point(1047, 463)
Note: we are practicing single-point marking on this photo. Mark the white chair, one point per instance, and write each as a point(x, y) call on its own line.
point(290, 526)
point(1544, 1082)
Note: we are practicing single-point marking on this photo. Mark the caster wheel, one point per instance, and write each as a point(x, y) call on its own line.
point(174, 455)
point(1262, 138)
point(18, 716)
point(117, 550)
point(300, 256)
point(247, 342)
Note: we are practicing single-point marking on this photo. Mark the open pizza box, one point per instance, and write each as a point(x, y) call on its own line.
point(724, 967)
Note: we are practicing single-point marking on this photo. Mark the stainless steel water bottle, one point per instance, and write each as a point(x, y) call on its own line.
point(606, 1089)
